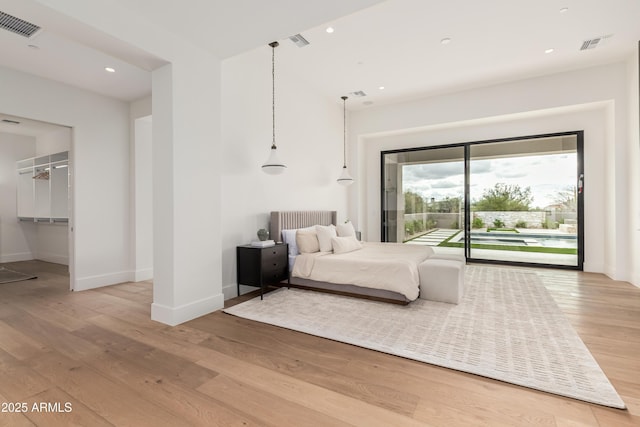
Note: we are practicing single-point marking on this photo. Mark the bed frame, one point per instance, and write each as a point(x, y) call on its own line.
point(286, 220)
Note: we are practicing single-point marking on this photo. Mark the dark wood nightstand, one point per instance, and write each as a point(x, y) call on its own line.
point(262, 266)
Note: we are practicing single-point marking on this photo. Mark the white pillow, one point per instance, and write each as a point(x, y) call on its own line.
point(345, 244)
point(325, 233)
point(346, 229)
point(289, 237)
point(307, 240)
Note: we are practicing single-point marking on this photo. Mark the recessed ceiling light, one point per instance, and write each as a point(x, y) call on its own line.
point(445, 40)
point(329, 30)
point(548, 51)
point(564, 10)
point(381, 88)
point(110, 70)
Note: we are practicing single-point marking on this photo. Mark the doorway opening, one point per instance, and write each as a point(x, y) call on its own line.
point(36, 194)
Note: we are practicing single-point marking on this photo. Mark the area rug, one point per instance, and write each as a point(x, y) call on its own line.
point(8, 276)
point(507, 327)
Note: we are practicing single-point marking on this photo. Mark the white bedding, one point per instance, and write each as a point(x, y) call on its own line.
point(388, 266)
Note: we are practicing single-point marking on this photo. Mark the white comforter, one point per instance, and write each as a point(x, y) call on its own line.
point(388, 266)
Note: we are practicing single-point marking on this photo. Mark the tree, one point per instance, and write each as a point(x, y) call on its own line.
point(413, 203)
point(447, 205)
point(567, 198)
point(504, 197)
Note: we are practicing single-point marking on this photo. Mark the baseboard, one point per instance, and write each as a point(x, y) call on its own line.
point(230, 291)
point(92, 282)
point(22, 256)
point(143, 274)
point(173, 316)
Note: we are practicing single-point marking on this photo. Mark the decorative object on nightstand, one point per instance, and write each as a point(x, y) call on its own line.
point(262, 266)
point(263, 234)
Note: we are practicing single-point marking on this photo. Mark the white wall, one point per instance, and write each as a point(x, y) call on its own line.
point(595, 100)
point(634, 162)
point(309, 140)
point(143, 203)
point(55, 141)
point(17, 240)
point(100, 149)
point(141, 187)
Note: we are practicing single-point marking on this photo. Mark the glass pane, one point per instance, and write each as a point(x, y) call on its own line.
point(423, 198)
point(524, 201)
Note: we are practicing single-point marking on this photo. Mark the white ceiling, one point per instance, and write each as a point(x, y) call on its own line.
point(392, 43)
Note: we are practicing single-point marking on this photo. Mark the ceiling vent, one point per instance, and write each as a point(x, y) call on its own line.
point(358, 94)
point(298, 40)
point(17, 25)
point(11, 122)
point(594, 42)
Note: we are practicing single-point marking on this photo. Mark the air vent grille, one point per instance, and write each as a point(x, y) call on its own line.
point(358, 93)
point(17, 25)
point(594, 42)
point(12, 122)
point(590, 44)
point(299, 40)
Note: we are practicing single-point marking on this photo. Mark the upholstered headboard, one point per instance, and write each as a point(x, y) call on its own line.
point(287, 220)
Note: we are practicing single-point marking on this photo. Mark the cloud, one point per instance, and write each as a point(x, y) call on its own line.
point(433, 170)
point(447, 183)
point(511, 174)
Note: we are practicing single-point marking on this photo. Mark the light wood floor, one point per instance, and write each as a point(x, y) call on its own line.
point(99, 351)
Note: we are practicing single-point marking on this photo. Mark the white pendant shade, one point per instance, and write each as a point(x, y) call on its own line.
point(273, 165)
point(345, 179)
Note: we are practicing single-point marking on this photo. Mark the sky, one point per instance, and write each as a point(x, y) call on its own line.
point(546, 175)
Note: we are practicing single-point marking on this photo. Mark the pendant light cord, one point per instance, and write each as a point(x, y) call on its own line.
point(344, 127)
point(273, 93)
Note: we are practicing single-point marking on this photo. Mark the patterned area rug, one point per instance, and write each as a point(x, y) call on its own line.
point(507, 327)
point(8, 276)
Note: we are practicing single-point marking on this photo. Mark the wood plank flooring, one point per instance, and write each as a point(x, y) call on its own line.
point(99, 352)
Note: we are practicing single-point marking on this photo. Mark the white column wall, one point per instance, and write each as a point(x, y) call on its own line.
point(186, 192)
point(594, 99)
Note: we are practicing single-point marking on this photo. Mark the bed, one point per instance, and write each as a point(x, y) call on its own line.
point(380, 271)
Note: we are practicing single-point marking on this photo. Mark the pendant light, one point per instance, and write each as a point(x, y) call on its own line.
point(273, 165)
point(344, 179)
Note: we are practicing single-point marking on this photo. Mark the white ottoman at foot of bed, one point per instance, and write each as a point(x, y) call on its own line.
point(442, 279)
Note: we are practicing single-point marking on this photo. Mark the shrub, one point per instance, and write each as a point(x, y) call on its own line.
point(455, 224)
point(521, 224)
point(477, 222)
point(498, 223)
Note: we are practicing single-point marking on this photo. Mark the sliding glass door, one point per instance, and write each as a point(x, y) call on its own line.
point(524, 201)
point(514, 201)
point(423, 198)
